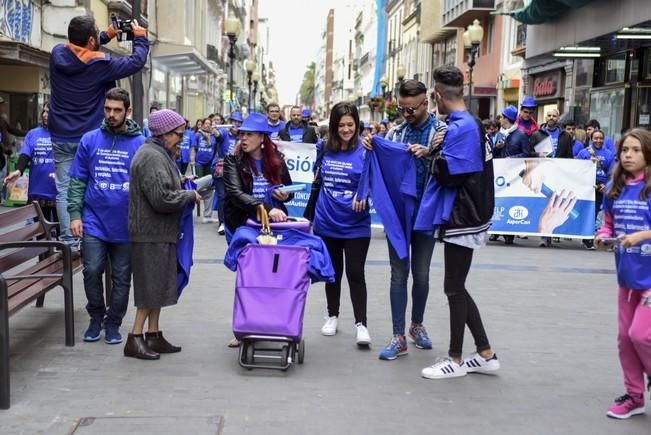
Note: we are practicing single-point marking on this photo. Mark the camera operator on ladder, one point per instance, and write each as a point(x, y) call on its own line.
point(80, 75)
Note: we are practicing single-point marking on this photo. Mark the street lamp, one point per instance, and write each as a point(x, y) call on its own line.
point(256, 78)
point(250, 68)
point(401, 72)
point(232, 30)
point(471, 40)
point(384, 84)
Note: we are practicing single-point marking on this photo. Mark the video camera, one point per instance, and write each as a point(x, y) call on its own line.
point(123, 27)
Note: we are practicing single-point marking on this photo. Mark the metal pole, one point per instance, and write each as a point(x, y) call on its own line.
point(470, 91)
point(249, 106)
point(231, 56)
point(136, 86)
point(255, 91)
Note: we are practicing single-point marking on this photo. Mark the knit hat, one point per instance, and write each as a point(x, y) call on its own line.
point(510, 112)
point(529, 102)
point(164, 121)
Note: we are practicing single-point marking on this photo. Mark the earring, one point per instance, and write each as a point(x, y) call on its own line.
point(262, 145)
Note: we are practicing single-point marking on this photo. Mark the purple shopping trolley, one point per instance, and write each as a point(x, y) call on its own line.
point(270, 293)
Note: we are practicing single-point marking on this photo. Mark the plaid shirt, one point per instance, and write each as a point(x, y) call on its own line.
point(421, 135)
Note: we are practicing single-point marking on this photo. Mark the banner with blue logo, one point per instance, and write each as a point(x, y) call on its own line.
point(300, 159)
point(544, 197)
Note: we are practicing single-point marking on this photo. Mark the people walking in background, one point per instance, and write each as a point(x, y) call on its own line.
point(98, 204)
point(156, 203)
point(627, 220)
point(296, 130)
point(185, 149)
point(467, 169)
point(605, 161)
point(341, 219)
point(510, 142)
point(80, 75)
point(37, 153)
point(593, 125)
point(527, 119)
point(205, 144)
point(273, 120)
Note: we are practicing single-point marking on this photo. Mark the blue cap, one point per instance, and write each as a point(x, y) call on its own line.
point(305, 113)
point(510, 112)
point(529, 102)
point(236, 116)
point(256, 123)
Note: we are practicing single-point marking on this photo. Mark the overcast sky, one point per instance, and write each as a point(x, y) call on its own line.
point(294, 39)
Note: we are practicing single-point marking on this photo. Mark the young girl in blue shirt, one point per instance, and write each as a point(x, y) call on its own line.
point(627, 228)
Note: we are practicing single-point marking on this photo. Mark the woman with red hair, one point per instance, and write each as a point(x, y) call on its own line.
point(251, 173)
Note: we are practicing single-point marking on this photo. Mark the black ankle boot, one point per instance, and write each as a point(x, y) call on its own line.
point(136, 347)
point(157, 343)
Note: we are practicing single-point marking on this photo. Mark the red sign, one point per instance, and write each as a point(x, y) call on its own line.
point(545, 87)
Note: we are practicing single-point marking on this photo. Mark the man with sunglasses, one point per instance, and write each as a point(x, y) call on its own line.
point(98, 204)
point(417, 130)
point(527, 118)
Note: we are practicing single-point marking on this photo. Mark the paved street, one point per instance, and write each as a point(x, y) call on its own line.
point(550, 314)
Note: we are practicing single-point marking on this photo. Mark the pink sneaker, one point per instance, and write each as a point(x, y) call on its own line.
point(626, 406)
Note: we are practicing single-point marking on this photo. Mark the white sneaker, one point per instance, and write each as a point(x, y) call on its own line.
point(363, 337)
point(206, 220)
point(221, 231)
point(330, 326)
point(444, 368)
point(475, 363)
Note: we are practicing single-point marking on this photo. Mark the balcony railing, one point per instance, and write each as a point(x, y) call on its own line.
point(460, 13)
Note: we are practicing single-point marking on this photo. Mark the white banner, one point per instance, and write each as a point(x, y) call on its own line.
point(545, 197)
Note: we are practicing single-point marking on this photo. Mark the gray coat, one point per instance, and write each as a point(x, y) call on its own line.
point(156, 197)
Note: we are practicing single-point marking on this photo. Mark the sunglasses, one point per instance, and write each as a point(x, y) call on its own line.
point(410, 110)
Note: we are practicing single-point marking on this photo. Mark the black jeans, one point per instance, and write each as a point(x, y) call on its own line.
point(355, 251)
point(463, 310)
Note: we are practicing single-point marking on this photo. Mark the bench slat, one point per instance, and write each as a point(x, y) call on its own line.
point(31, 293)
point(18, 215)
point(25, 233)
point(49, 265)
point(20, 256)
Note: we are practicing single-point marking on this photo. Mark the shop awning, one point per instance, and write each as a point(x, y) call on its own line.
point(17, 53)
point(542, 11)
point(183, 60)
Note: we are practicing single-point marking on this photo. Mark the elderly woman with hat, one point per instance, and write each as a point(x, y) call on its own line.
point(156, 203)
point(251, 174)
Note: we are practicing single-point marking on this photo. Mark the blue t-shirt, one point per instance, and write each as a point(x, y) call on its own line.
point(38, 147)
point(275, 129)
point(553, 135)
point(260, 184)
point(606, 158)
point(340, 177)
point(103, 161)
point(630, 215)
point(577, 148)
point(205, 149)
point(186, 144)
point(230, 141)
point(295, 134)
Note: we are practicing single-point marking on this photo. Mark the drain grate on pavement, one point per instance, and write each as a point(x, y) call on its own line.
point(148, 425)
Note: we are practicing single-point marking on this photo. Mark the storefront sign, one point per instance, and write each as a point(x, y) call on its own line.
point(547, 85)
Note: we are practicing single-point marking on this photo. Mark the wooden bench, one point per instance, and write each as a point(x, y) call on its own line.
point(31, 264)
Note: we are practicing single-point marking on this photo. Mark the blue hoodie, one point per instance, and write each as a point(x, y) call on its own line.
point(79, 78)
point(38, 148)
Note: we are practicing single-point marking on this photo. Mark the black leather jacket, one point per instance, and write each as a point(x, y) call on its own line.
point(239, 202)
